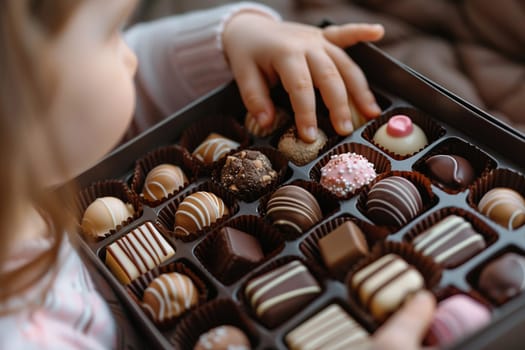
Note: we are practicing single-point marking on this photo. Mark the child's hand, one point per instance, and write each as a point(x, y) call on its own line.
point(261, 51)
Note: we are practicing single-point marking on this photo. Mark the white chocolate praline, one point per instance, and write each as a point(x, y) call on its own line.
point(163, 180)
point(383, 285)
point(505, 206)
point(137, 252)
point(401, 136)
point(169, 296)
point(214, 147)
point(223, 338)
point(345, 173)
point(105, 214)
point(197, 211)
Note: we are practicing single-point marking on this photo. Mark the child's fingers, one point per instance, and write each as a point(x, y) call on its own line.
point(408, 326)
point(327, 78)
point(355, 81)
point(254, 92)
point(350, 34)
point(297, 81)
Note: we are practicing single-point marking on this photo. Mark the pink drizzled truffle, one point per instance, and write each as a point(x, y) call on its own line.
point(345, 173)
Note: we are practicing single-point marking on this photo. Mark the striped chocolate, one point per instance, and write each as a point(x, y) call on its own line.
point(104, 215)
point(276, 295)
point(293, 207)
point(451, 170)
point(383, 285)
point(505, 206)
point(162, 181)
point(330, 329)
point(213, 148)
point(197, 211)
point(169, 296)
point(137, 252)
point(393, 201)
point(450, 242)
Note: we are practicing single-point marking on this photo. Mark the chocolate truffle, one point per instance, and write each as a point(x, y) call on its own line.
point(104, 215)
point(345, 173)
point(213, 148)
point(383, 285)
point(197, 211)
point(505, 206)
point(169, 296)
point(451, 170)
point(342, 247)
point(137, 252)
point(401, 136)
point(251, 125)
point(278, 294)
point(393, 201)
point(450, 242)
point(223, 338)
point(330, 329)
point(236, 252)
point(298, 151)
point(503, 278)
point(247, 171)
point(292, 207)
point(455, 318)
point(163, 180)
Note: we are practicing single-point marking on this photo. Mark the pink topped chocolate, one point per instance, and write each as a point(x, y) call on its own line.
point(401, 136)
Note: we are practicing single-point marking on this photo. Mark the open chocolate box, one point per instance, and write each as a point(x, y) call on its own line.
point(495, 150)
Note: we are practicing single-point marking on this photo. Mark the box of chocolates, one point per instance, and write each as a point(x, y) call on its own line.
point(216, 232)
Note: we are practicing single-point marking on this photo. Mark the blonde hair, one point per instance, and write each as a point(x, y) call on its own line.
point(26, 90)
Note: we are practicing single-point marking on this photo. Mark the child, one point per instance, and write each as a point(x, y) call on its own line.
point(67, 97)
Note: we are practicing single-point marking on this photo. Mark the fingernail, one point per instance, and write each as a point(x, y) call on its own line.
point(262, 118)
point(311, 133)
point(347, 126)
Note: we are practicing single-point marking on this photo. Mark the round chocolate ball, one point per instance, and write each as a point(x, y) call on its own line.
point(503, 278)
point(505, 206)
point(393, 201)
point(162, 181)
point(451, 170)
point(169, 296)
point(197, 211)
point(247, 171)
point(400, 136)
point(223, 338)
point(104, 215)
point(298, 151)
point(293, 208)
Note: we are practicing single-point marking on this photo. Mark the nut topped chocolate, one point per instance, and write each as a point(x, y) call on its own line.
point(214, 147)
point(105, 214)
point(450, 242)
point(163, 180)
point(451, 170)
point(247, 171)
point(504, 278)
point(197, 211)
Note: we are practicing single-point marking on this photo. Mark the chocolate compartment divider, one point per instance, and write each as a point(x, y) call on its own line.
point(398, 87)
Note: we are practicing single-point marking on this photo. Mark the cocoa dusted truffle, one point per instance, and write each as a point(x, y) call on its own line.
point(197, 211)
point(104, 215)
point(504, 278)
point(451, 170)
point(401, 136)
point(213, 148)
point(298, 151)
point(505, 206)
point(169, 296)
point(223, 338)
point(163, 180)
point(292, 207)
point(247, 171)
point(393, 201)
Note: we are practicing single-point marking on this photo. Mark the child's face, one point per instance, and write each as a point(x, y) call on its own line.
point(95, 96)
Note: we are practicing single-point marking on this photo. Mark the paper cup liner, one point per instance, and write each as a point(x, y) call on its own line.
point(166, 216)
point(421, 182)
point(381, 163)
point(315, 271)
point(138, 286)
point(196, 133)
point(268, 236)
point(174, 155)
point(279, 164)
point(490, 236)
point(213, 314)
point(429, 270)
point(481, 162)
point(310, 245)
point(496, 178)
point(432, 130)
point(327, 202)
point(113, 188)
point(323, 124)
